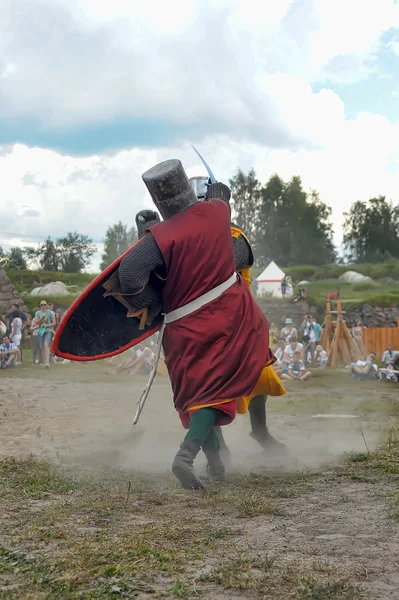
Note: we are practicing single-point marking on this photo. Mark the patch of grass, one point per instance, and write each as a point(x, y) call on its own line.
point(34, 478)
point(382, 464)
point(313, 589)
point(182, 590)
point(255, 504)
point(242, 573)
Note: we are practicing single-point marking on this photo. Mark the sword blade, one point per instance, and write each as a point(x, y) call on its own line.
point(211, 175)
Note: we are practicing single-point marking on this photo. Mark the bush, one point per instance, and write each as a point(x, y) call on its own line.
point(25, 281)
point(363, 286)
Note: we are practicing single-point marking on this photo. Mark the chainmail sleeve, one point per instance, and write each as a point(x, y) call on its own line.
point(135, 268)
point(242, 253)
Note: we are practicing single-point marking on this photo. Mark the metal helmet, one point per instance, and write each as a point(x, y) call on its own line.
point(169, 187)
point(200, 186)
point(145, 219)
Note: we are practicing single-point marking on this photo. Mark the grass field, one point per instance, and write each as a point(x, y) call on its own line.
point(91, 511)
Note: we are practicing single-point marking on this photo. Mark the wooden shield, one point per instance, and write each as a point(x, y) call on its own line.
point(98, 325)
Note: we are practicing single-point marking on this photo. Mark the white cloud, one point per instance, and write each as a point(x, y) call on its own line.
point(241, 69)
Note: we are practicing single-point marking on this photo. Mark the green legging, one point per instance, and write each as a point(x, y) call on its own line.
point(202, 430)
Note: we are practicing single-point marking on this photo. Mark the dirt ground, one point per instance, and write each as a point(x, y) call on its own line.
point(89, 508)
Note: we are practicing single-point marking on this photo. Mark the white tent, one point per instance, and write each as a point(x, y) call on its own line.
point(269, 282)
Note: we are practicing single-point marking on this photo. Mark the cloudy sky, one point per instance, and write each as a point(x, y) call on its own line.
point(93, 93)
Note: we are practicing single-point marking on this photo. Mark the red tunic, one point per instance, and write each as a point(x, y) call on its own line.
point(218, 352)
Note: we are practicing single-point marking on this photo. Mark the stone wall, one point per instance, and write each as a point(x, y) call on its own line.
point(371, 316)
point(374, 316)
point(278, 310)
point(8, 293)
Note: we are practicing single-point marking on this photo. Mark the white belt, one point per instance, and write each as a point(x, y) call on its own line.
point(174, 315)
point(199, 302)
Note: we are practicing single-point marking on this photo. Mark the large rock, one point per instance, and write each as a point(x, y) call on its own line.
point(55, 288)
point(354, 277)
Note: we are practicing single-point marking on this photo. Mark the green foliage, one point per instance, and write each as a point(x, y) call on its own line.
point(384, 294)
point(283, 222)
point(371, 230)
point(331, 271)
point(13, 259)
point(24, 280)
point(118, 239)
point(71, 253)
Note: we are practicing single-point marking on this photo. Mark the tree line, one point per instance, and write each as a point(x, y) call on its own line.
point(283, 222)
point(292, 227)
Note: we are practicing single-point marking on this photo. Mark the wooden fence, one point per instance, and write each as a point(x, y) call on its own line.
point(376, 339)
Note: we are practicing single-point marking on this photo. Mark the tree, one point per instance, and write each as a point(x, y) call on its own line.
point(246, 192)
point(2, 257)
point(48, 256)
point(371, 230)
point(75, 251)
point(15, 259)
point(283, 222)
point(118, 239)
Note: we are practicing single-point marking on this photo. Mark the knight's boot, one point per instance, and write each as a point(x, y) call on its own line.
point(268, 442)
point(260, 432)
point(215, 468)
point(183, 466)
point(225, 453)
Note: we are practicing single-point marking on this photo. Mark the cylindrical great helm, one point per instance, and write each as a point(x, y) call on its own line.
point(169, 187)
point(145, 219)
point(200, 186)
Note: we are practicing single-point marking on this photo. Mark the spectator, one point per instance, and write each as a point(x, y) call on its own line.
point(317, 328)
point(309, 339)
point(16, 331)
point(37, 354)
point(288, 331)
point(127, 364)
point(288, 285)
point(296, 369)
point(389, 373)
point(3, 326)
point(46, 320)
point(321, 357)
point(279, 354)
point(365, 369)
point(273, 334)
point(57, 315)
point(9, 316)
point(8, 353)
point(293, 346)
point(283, 287)
point(357, 334)
point(390, 356)
point(145, 358)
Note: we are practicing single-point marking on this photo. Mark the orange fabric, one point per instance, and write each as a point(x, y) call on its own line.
point(210, 405)
point(269, 384)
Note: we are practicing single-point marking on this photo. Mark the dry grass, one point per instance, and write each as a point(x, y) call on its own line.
point(69, 533)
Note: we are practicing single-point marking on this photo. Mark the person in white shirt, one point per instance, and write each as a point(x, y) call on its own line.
point(16, 331)
point(289, 330)
point(365, 369)
point(279, 354)
point(292, 347)
point(141, 361)
point(321, 357)
point(390, 356)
